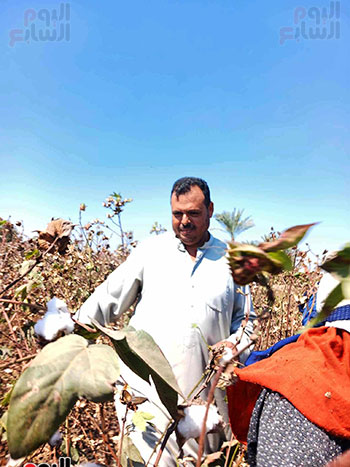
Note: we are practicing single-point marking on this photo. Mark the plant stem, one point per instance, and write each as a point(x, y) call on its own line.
point(165, 440)
point(120, 448)
point(30, 305)
point(12, 332)
point(18, 360)
point(37, 261)
point(228, 451)
point(204, 426)
point(209, 401)
point(67, 439)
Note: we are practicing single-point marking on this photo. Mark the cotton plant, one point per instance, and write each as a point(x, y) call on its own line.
point(57, 319)
point(227, 356)
point(190, 425)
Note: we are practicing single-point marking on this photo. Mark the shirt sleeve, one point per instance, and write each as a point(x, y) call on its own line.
point(242, 307)
point(116, 294)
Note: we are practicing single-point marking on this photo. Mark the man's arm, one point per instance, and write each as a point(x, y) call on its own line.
point(242, 328)
point(116, 294)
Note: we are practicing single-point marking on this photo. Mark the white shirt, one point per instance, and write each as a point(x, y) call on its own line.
point(181, 301)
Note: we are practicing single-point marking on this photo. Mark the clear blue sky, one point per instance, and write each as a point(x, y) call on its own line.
point(145, 92)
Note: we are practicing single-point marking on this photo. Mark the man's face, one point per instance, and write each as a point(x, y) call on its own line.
point(190, 217)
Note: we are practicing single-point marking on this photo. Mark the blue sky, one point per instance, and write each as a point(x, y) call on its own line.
point(146, 92)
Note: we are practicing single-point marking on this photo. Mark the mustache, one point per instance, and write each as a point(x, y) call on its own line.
point(187, 227)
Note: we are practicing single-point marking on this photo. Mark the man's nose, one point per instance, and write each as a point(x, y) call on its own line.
point(185, 219)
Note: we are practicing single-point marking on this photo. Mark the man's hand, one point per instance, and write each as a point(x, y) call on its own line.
point(224, 357)
point(224, 352)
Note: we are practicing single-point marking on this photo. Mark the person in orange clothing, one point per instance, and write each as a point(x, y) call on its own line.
point(293, 408)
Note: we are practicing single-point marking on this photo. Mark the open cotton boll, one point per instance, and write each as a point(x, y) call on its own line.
point(227, 355)
point(55, 305)
point(190, 426)
point(56, 319)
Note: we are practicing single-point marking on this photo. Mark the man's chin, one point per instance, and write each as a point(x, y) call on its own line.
point(188, 239)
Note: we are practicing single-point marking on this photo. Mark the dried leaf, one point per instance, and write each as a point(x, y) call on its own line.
point(211, 458)
point(58, 230)
point(246, 261)
point(230, 444)
point(288, 238)
point(339, 264)
point(130, 452)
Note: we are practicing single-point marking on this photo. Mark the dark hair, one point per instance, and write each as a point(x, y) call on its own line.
point(183, 185)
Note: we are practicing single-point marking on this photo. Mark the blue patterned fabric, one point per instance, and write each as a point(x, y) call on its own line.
point(308, 309)
point(339, 314)
point(258, 355)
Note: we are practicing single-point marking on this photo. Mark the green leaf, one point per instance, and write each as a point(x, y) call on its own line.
point(288, 238)
point(6, 399)
point(63, 372)
point(335, 297)
point(345, 288)
point(140, 419)
point(26, 265)
point(281, 259)
point(130, 451)
point(3, 420)
point(339, 265)
point(22, 291)
point(31, 254)
point(74, 454)
point(89, 266)
point(142, 355)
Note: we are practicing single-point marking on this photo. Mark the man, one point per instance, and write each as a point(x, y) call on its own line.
point(181, 280)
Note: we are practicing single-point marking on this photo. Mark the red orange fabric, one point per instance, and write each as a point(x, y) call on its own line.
point(313, 373)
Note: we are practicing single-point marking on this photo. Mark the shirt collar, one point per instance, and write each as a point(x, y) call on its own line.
point(181, 247)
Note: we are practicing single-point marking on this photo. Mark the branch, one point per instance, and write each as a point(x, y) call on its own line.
point(37, 261)
point(165, 440)
point(30, 305)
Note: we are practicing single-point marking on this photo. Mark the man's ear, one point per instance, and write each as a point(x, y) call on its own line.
point(211, 209)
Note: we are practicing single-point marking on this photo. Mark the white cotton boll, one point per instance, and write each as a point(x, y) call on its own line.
point(55, 304)
point(227, 355)
point(14, 462)
point(190, 426)
point(56, 319)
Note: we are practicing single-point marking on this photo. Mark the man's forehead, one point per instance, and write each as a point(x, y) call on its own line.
point(193, 198)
